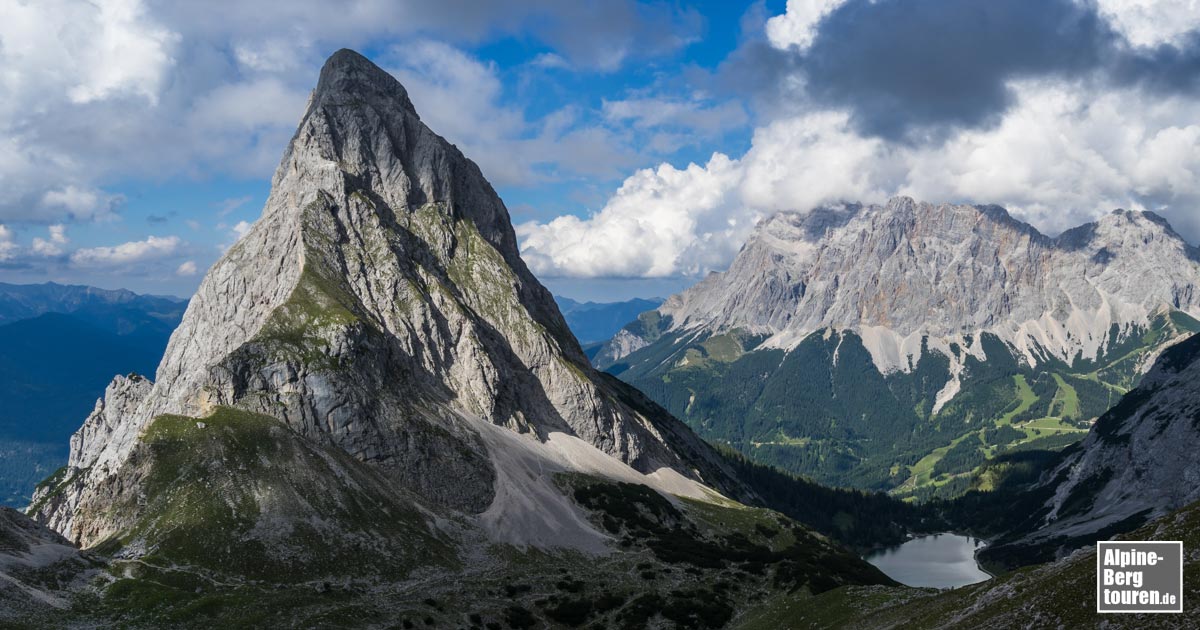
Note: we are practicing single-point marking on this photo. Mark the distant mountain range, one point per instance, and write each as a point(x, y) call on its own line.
point(120, 312)
point(901, 346)
point(599, 321)
point(59, 347)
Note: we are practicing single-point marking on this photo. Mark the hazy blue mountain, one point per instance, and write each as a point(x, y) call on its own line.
point(59, 347)
point(121, 312)
point(599, 321)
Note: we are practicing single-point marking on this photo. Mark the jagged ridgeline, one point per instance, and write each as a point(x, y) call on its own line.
point(913, 347)
point(370, 398)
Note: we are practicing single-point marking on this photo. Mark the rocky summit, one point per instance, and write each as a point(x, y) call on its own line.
point(379, 305)
point(371, 396)
point(907, 272)
point(972, 334)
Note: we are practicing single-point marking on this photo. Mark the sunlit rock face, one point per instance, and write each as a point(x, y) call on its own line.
point(907, 273)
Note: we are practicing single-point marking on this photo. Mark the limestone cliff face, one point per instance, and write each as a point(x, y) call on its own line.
point(379, 305)
point(945, 270)
point(905, 271)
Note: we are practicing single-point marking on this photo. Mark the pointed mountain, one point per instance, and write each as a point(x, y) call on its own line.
point(380, 306)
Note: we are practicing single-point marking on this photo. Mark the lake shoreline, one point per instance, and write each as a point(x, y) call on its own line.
point(943, 560)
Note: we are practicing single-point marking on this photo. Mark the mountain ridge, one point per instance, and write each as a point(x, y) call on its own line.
point(120, 311)
point(957, 319)
point(594, 322)
point(894, 234)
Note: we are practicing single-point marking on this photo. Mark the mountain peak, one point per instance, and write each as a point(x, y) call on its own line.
point(1144, 219)
point(349, 74)
point(346, 57)
point(380, 306)
point(901, 202)
point(360, 135)
point(1125, 228)
point(1123, 219)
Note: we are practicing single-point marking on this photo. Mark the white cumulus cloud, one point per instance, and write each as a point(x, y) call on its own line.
point(134, 252)
point(8, 248)
point(798, 25)
point(661, 222)
point(242, 228)
point(1152, 22)
point(86, 50)
point(188, 268)
point(82, 203)
point(1063, 155)
point(52, 246)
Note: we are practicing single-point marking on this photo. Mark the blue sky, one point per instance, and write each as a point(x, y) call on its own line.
point(635, 143)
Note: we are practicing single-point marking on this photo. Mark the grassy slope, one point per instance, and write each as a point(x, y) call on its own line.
point(1064, 405)
point(237, 492)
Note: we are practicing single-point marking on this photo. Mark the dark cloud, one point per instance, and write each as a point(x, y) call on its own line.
point(762, 73)
point(1166, 68)
point(903, 66)
point(920, 69)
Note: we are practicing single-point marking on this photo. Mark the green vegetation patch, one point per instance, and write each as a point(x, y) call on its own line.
point(238, 493)
point(299, 327)
point(710, 537)
point(842, 423)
